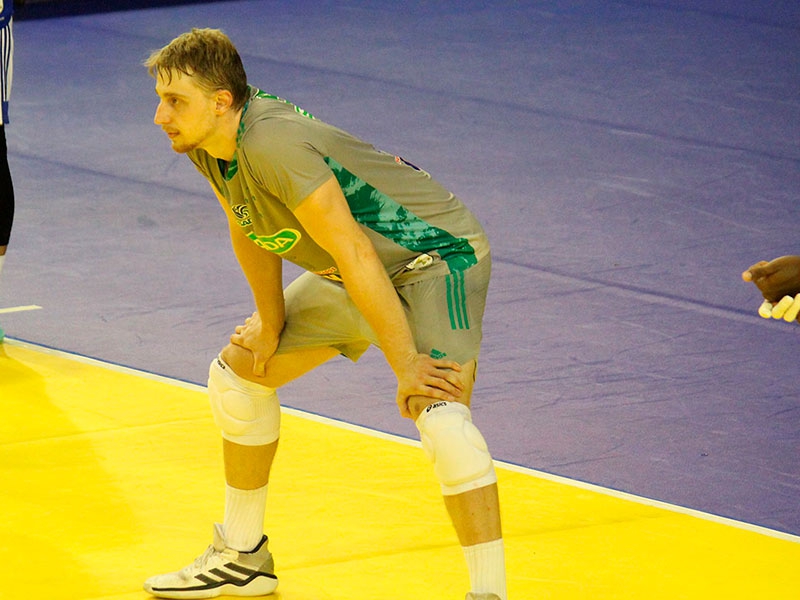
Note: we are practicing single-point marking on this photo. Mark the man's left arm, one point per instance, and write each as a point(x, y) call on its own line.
point(326, 217)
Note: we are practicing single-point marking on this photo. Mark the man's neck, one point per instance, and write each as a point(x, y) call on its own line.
point(223, 143)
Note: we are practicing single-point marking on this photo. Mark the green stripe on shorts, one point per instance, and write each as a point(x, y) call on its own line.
point(457, 301)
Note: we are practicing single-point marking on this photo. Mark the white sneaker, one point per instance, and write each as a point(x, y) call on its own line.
point(220, 570)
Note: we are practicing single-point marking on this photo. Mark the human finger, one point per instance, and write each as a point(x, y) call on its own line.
point(448, 370)
point(757, 271)
point(445, 363)
point(792, 309)
point(402, 405)
point(437, 392)
point(444, 374)
point(445, 383)
point(780, 308)
point(259, 365)
point(426, 387)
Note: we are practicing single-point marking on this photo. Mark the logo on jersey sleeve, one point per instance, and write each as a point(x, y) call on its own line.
point(279, 242)
point(242, 214)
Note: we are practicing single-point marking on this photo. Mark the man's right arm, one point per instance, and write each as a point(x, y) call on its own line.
point(264, 272)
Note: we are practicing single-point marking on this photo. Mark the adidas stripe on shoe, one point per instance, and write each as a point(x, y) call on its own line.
point(220, 570)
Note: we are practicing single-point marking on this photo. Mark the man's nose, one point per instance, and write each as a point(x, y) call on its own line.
point(161, 115)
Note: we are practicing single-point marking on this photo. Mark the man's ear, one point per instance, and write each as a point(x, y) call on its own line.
point(223, 101)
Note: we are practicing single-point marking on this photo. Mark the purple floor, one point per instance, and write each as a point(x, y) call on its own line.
point(629, 160)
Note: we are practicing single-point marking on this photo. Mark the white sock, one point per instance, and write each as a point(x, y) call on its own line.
point(244, 517)
point(487, 568)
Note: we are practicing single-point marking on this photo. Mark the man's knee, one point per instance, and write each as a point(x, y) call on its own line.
point(247, 413)
point(458, 451)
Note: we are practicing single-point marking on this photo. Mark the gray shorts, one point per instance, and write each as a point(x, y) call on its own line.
point(445, 314)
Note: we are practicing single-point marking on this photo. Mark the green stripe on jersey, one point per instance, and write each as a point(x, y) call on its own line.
point(383, 215)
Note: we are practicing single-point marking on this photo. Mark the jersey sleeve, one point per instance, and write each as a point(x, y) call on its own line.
point(285, 162)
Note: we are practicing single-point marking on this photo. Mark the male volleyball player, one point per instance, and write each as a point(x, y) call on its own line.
point(6, 72)
point(393, 260)
point(779, 283)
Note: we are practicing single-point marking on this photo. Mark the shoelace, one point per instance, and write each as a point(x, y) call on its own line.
point(200, 562)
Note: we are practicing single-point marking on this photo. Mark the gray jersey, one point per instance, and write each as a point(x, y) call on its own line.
point(283, 154)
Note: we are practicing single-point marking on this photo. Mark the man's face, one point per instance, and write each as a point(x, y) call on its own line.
point(185, 112)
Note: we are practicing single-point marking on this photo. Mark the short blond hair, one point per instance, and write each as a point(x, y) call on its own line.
point(209, 56)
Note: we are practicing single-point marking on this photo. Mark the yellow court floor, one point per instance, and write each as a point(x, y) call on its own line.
point(108, 476)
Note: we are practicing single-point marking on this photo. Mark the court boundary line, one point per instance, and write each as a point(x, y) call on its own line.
point(310, 416)
point(12, 309)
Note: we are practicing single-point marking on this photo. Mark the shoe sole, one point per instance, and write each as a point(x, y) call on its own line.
point(261, 586)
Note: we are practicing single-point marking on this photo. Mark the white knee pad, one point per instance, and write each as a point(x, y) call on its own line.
point(247, 413)
point(460, 457)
